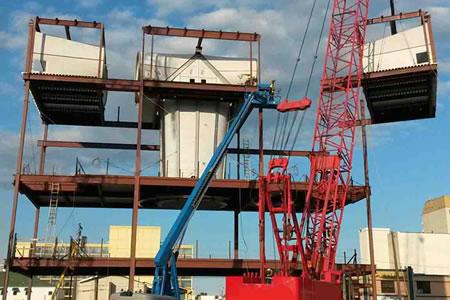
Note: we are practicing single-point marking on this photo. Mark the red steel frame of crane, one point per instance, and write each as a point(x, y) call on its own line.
point(279, 202)
point(334, 132)
point(334, 135)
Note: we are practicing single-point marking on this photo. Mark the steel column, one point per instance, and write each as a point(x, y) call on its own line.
point(238, 206)
point(96, 288)
point(397, 274)
point(37, 209)
point(261, 141)
point(16, 191)
point(261, 206)
point(368, 200)
point(236, 233)
point(238, 167)
point(31, 251)
point(137, 177)
point(43, 151)
point(19, 162)
point(100, 51)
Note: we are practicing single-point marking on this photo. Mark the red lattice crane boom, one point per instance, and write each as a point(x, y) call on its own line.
point(334, 135)
point(316, 237)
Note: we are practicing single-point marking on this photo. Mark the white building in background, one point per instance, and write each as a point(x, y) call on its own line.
point(39, 293)
point(427, 253)
point(436, 215)
point(148, 241)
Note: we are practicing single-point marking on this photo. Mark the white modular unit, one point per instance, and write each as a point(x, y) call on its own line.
point(60, 56)
point(191, 129)
point(198, 68)
point(408, 48)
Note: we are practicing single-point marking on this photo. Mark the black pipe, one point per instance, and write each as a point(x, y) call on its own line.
point(392, 23)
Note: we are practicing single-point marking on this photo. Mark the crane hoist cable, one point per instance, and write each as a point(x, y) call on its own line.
point(276, 136)
point(313, 65)
point(284, 137)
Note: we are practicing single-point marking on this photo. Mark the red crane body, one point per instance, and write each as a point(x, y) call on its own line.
point(315, 239)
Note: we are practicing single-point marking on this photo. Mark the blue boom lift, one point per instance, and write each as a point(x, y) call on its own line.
point(165, 282)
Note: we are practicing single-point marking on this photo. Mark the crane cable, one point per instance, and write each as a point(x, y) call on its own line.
point(313, 65)
point(277, 138)
point(286, 136)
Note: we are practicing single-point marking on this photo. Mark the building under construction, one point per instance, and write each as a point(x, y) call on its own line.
point(190, 99)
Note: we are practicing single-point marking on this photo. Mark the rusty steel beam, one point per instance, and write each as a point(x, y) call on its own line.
point(122, 146)
point(94, 145)
point(129, 85)
point(145, 266)
point(40, 182)
point(73, 23)
point(270, 152)
point(397, 17)
point(211, 87)
point(202, 33)
point(121, 85)
point(382, 74)
point(223, 195)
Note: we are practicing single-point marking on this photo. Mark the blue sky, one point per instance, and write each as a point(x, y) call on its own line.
point(408, 161)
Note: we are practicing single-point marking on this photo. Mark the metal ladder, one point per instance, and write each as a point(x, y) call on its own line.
point(246, 162)
point(50, 234)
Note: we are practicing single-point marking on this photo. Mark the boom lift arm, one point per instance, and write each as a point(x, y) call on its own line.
point(165, 281)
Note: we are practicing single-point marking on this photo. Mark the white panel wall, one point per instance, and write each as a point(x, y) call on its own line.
point(397, 51)
point(382, 250)
point(55, 55)
point(427, 253)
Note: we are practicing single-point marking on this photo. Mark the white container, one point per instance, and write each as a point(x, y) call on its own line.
point(60, 56)
point(202, 68)
point(190, 132)
point(409, 48)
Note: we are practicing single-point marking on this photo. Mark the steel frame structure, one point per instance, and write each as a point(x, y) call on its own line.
point(187, 266)
point(124, 85)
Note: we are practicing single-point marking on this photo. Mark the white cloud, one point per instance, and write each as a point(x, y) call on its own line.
point(89, 3)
